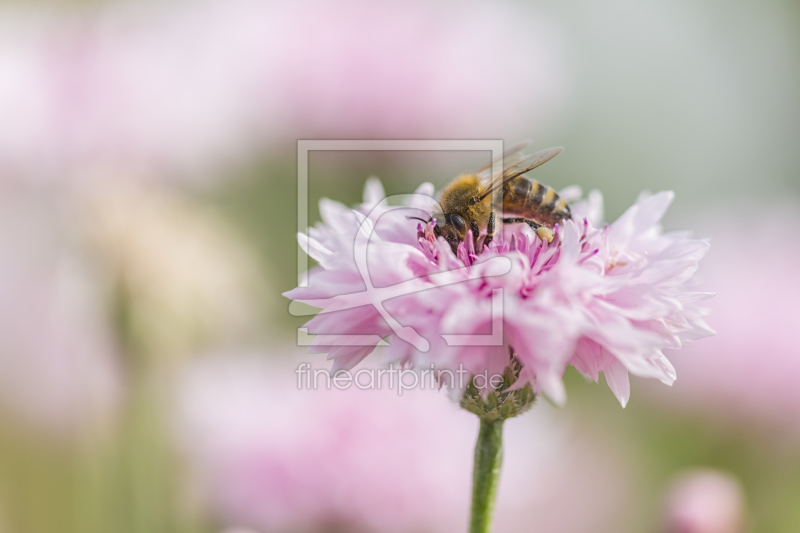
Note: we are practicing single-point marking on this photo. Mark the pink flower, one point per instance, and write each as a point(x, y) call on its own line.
point(186, 86)
point(705, 501)
point(603, 299)
point(269, 457)
point(747, 375)
point(60, 369)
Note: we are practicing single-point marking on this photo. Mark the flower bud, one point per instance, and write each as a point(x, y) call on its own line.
point(705, 501)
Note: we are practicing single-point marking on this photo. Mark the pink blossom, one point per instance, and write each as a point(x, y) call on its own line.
point(269, 457)
point(184, 85)
point(705, 501)
point(603, 299)
point(747, 375)
point(59, 363)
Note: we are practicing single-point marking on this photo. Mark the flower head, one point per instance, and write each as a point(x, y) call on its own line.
point(189, 88)
point(705, 501)
point(601, 298)
point(266, 455)
point(746, 377)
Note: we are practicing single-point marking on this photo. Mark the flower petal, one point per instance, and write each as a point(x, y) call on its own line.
point(617, 378)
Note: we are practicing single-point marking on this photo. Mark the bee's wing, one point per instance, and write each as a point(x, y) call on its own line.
point(526, 164)
point(510, 157)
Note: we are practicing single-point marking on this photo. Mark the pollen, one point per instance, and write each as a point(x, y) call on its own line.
point(545, 233)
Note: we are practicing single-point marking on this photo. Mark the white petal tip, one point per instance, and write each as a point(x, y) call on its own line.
point(556, 394)
point(373, 191)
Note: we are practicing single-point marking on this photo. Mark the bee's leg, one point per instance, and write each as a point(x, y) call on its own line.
point(490, 229)
point(475, 234)
point(543, 232)
point(518, 220)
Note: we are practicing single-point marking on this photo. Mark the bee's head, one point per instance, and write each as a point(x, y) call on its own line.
point(452, 227)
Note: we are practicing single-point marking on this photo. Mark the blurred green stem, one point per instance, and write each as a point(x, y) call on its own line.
point(486, 474)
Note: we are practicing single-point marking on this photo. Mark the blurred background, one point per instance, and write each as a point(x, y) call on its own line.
point(147, 215)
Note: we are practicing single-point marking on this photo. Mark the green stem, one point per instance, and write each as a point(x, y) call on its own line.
point(486, 474)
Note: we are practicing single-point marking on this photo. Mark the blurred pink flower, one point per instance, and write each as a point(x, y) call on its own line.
point(183, 85)
point(705, 501)
point(603, 300)
point(270, 457)
point(747, 374)
point(59, 366)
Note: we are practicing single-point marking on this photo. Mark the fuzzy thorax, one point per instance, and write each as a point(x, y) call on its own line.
point(457, 197)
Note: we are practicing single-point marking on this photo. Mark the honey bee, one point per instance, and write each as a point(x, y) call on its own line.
point(466, 203)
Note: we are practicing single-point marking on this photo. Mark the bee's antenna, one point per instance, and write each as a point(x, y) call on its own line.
point(420, 219)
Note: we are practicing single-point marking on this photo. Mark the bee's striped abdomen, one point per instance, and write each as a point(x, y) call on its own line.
point(549, 204)
point(535, 201)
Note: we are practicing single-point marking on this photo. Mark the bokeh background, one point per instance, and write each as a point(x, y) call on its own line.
point(147, 230)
